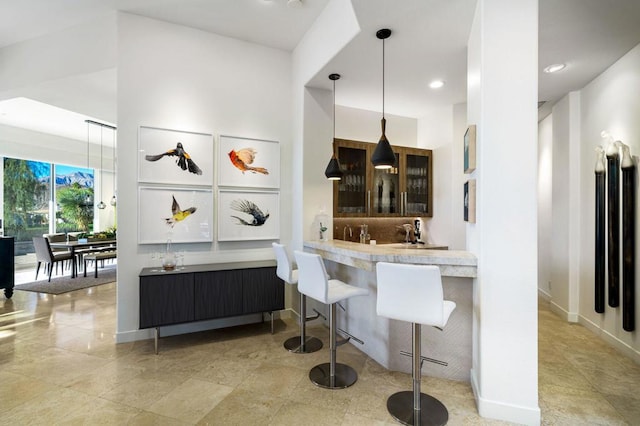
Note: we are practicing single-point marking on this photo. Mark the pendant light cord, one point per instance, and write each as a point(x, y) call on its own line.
point(382, 78)
point(333, 141)
point(101, 128)
point(88, 145)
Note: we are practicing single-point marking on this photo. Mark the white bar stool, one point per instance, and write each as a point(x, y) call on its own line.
point(413, 293)
point(314, 282)
point(301, 344)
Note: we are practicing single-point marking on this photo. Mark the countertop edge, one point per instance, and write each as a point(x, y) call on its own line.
point(455, 263)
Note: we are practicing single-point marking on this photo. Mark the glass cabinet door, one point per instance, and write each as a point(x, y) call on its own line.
point(418, 185)
point(386, 194)
point(351, 191)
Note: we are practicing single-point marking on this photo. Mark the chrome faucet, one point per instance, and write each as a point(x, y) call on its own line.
point(344, 233)
point(407, 229)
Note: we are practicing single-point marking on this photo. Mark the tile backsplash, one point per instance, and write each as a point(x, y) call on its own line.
point(383, 230)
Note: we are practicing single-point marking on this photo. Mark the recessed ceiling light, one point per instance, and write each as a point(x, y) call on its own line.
point(294, 3)
point(554, 68)
point(436, 84)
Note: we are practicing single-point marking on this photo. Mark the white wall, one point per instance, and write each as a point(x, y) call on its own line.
point(609, 102)
point(504, 377)
point(565, 214)
point(332, 30)
point(442, 130)
point(545, 174)
point(363, 125)
point(175, 77)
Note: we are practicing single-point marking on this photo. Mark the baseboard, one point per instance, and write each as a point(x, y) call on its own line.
point(617, 344)
point(544, 295)
point(502, 411)
point(134, 335)
point(193, 327)
point(560, 311)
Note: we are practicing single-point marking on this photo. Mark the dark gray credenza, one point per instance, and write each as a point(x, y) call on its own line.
point(210, 291)
point(7, 270)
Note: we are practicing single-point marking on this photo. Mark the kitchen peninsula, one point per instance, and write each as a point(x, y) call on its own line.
point(354, 264)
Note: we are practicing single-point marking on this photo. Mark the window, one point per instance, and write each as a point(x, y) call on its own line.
point(29, 200)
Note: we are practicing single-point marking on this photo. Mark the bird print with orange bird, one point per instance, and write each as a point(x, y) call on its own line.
point(243, 159)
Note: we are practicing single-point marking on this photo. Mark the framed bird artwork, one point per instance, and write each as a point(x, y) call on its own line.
point(174, 157)
point(249, 163)
point(248, 215)
point(183, 215)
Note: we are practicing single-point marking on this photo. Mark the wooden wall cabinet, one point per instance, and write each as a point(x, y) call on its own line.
point(364, 191)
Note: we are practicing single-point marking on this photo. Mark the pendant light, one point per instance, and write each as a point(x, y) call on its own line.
point(101, 204)
point(113, 201)
point(333, 170)
point(383, 156)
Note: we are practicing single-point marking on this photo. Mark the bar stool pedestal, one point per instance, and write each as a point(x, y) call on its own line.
point(409, 406)
point(413, 293)
point(314, 282)
point(303, 344)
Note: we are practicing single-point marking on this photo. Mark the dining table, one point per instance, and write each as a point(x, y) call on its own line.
point(74, 246)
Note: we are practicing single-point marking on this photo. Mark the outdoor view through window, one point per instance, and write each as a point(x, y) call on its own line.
point(33, 207)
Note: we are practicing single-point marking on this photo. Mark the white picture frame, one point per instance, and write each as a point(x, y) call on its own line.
point(156, 223)
point(154, 141)
point(261, 168)
point(237, 224)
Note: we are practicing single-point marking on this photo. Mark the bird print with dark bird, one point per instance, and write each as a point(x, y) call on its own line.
point(177, 214)
point(243, 158)
point(249, 207)
point(184, 160)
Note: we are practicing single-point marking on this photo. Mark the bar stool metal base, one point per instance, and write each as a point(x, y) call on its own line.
point(311, 344)
point(345, 376)
point(432, 411)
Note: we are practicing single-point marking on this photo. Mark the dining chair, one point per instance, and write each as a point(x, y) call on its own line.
point(46, 256)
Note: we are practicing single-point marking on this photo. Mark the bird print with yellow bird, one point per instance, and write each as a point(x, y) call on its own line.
point(243, 158)
point(177, 214)
point(183, 161)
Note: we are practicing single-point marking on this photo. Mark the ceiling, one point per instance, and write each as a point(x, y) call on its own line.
point(429, 40)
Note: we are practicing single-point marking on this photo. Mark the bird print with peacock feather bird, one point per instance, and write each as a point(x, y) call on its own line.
point(243, 158)
point(178, 215)
point(183, 160)
point(257, 217)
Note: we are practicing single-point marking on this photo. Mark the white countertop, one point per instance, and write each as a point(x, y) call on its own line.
point(452, 263)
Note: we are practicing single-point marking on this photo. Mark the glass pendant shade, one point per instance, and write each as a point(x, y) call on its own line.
point(113, 201)
point(102, 205)
point(383, 156)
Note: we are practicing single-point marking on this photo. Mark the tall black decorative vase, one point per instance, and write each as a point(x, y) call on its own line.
point(628, 246)
point(613, 194)
point(600, 243)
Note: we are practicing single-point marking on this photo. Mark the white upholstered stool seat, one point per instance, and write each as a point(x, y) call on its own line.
point(413, 293)
point(301, 344)
point(313, 281)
